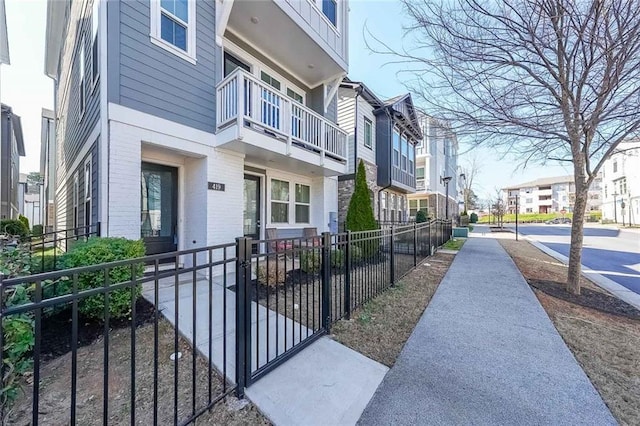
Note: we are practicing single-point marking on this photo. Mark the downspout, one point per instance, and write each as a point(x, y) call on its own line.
point(390, 156)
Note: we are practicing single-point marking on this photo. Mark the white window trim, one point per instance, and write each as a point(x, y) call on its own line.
point(95, 23)
point(271, 201)
point(370, 123)
point(317, 4)
point(82, 87)
point(297, 203)
point(87, 191)
point(156, 37)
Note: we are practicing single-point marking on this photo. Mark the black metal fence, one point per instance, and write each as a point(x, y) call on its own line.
point(47, 248)
point(161, 339)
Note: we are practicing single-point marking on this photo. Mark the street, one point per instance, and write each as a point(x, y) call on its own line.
point(610, 252)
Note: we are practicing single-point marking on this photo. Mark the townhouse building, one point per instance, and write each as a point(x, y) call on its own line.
point(11, 149)
point(549, 195)
point(190, 123)
point(621, 184)
point(437, 172)
point(383, 135)
point(48, 169)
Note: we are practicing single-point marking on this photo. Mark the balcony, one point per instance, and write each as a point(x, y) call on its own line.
point(402, 180)
point(255, 119)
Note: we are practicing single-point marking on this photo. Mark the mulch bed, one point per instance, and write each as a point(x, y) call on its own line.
point(587, 298)
point(56, 329)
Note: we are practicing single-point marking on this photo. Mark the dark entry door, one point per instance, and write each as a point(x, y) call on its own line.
point(251, 219)
point(159, 208)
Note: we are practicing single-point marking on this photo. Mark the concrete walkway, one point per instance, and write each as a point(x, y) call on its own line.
point(485, 352)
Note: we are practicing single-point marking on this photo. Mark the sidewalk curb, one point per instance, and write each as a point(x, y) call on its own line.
point(601, 281)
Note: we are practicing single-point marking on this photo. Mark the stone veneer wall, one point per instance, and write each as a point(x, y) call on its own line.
point(345, 190)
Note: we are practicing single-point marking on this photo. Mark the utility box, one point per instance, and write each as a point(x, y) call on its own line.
point(460, 232)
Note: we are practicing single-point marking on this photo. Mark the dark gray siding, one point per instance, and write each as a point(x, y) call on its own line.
point(384, 134)
point(150, 79)
point(79, 126)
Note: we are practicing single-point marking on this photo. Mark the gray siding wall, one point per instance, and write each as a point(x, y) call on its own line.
point(384, 134)
point(78, 125)
point(152, 80)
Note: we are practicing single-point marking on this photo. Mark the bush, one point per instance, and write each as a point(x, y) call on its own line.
point(421, 216)
point(14, 227)
point(25, 221)
point(337, 258)
point(101, 250)
point(473, 218)
point(360, 215)
point(46, 263)
point(311, 261)
point(355, 253)
point(37, 230)
point(273, 274)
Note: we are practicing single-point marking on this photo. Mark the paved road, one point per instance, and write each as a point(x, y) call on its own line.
point(610, 252)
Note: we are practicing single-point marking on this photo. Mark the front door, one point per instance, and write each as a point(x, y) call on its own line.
point(251, 219)
point(159, 208)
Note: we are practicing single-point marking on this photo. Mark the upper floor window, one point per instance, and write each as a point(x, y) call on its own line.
point(173, 27)
point(330, 10)
point(270, 80)
point(95, 62)
point(411, 151)
point(420, 172)
point(231, 63)
point(81, 86)
point(295, 95)
point(405, 150)
point(615, 167)
point(368, 133)
point(396, 149)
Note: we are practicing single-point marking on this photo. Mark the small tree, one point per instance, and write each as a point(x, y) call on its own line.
point(421, 216)
point(360, 213)
point(24, 220)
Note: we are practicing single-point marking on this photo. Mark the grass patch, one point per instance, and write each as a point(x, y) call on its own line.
point(380, 328)
point(453, 244)
point(606, 346)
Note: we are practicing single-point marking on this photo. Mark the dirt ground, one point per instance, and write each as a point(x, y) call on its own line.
point(55, 398)
point(606, 346)
point(381, 327)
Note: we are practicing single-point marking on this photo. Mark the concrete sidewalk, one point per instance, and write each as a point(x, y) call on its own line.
point(485, 352)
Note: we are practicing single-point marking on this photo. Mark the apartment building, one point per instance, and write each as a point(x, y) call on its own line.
point(549, 195)
point(190, 123)
point(621, 184)
point(437, 172)
point(11, 149)
point(48, 169)
point(383, 135)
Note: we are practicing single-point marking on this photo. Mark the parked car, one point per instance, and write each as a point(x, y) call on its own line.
point(558, 220)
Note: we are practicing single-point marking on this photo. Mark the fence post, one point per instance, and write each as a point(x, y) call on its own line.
point(326, 281)
point(2, 406)
point(347, 277)
point(243, 315)
point(98, 230)
point(430, 223)
point(393, 257)
point(415, 244)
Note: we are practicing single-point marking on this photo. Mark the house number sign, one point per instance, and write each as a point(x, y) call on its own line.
point(215, 186)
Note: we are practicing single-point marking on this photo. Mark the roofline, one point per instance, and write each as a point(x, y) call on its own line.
point(366, 93)
point(4, 38)
point(532, 183)
point(53, 39)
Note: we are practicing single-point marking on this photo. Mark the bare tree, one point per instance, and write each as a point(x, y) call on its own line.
point(470, 170)
point(543, 79)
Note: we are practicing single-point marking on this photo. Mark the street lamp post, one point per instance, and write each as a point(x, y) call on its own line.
point(615, 207)
point(622, 206)
point(446, 181)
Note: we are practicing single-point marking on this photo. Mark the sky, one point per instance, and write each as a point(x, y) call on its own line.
point(27, 90)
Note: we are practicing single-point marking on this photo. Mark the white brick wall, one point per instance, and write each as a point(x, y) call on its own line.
point(225, 208)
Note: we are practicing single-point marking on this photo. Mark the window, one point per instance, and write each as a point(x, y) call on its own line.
point(412, 153)
point(396, 149)
point(270, 80)
point(368, 130)
point(420, 172)
point(405, 149)
point(615, 167)
point(95, 61)
point(329, 8)
point(529, 210)
point(529, 200)
point(231, 63)
point(383, 205)
point(173, 27)
point(303, 201)
point(279, 201)
point(81, 86)
point(605, 192)
point(87, 193)
point(294, 95)
point(75, 195)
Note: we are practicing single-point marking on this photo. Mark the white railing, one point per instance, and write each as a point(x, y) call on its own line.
point(281, 117)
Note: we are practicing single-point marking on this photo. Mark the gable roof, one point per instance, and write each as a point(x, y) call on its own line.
point(543, 182)
point(16, 126)
point(402, 107)
point(366, 93)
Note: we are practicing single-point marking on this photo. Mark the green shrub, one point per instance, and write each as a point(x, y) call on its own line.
point(337, 258)
point(101, 250)
point(355, 253)
point(37, 230)
point(14, 227)
point(45, 263)
point(473, 218)
point(25, 221)
point(311, 261)
point(360, 215)
point(421, 216)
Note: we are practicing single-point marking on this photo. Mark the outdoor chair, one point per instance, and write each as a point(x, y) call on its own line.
point(310, 238)
point(280, 247)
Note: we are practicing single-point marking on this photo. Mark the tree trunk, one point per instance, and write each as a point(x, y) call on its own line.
point(577, 225)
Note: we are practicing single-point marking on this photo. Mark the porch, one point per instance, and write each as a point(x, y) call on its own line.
point(255, 119)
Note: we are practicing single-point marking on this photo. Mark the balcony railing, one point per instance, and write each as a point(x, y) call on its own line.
point(402, 177)
point(265, 109)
